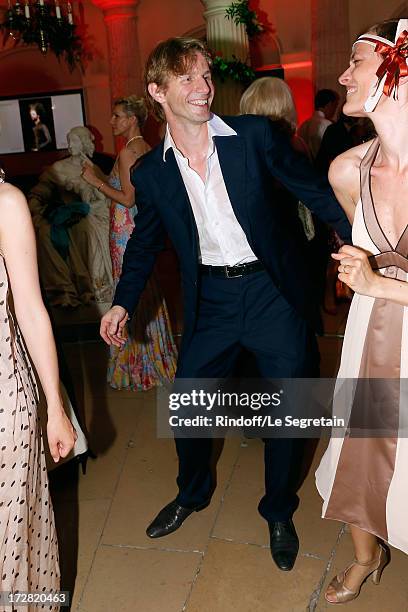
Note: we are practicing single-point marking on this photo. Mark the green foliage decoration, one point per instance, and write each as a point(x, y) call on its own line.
point(240, 12)
point(232, 69)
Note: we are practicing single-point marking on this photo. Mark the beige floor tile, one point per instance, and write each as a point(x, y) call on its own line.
point(239, 519)
point(241, 578)
point(111, 432)
point(110, 439)
point(130, 580)
point(112, 425)
point(79, 529)
point(317, 537)
point(147, 483)
point(391, 595)
point(101, 476)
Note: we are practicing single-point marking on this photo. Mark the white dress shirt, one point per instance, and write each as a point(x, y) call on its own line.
point(221, 238)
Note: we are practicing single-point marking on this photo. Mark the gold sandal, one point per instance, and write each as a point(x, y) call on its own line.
point(343, 594)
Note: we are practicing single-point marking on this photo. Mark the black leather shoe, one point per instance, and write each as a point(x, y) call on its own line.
point(284, 544)
point(169, 519)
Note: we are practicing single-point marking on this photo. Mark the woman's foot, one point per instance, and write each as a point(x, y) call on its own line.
point(346, 585)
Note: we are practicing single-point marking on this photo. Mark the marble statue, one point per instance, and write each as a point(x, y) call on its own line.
point(71, 219)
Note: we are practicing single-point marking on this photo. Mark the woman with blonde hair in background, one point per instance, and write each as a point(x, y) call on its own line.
point(148, 358)
point(271, 97)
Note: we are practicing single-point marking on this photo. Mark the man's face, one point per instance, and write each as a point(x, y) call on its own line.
point(187, 98)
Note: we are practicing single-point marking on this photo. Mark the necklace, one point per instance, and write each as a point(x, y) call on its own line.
point(130, 140)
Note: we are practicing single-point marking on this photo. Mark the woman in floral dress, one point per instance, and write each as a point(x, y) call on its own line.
point(148, 358)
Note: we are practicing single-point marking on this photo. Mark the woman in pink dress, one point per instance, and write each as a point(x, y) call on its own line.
point(28, 542)
point(148, 357)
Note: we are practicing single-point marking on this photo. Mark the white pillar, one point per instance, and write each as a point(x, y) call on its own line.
point(229, 39)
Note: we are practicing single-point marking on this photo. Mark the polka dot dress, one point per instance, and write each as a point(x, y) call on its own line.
point(28, 543)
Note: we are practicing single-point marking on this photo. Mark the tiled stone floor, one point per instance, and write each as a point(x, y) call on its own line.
point(219, 561)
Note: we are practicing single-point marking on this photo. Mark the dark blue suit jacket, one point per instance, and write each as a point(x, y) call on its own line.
point(248, 163)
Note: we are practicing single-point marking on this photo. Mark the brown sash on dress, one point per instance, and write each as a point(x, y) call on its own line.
point(366, 465)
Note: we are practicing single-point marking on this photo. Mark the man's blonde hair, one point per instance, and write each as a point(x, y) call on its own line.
point(171, 57)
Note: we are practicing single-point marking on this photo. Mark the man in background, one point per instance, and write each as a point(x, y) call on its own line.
point(312, 130)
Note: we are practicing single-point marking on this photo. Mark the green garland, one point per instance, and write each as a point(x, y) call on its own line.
point(232, 69)
point(44, 30)
point(240, 12)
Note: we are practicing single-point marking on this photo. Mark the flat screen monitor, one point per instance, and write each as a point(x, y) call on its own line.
point(39, 122)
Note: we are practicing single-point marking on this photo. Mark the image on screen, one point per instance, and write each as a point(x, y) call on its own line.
point(39, 122)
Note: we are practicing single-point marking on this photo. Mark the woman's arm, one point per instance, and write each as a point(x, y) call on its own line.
point(18, 246)
point(356, 272)
point(125, 195)
point(344, 178)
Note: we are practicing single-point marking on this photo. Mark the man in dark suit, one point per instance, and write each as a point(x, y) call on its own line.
point(245, 281)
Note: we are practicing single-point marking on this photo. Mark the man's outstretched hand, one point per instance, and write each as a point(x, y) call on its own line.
point(112, 325)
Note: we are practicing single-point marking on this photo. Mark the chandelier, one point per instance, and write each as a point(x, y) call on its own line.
point(48, 25)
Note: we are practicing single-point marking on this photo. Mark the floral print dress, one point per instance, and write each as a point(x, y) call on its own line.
point(149, 356)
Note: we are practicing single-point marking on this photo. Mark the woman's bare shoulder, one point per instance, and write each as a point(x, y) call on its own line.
point(344, 176)
point(351, 159)
point(136, 148)
point(344, 172)
point(12, 202)
point(10, 194)
point(129, 155)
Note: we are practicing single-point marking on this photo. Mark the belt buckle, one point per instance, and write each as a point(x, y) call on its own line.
point(227, 274)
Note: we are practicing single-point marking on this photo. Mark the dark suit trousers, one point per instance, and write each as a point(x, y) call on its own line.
point(246, 312)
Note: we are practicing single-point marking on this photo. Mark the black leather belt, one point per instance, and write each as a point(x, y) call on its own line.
point(232, 271)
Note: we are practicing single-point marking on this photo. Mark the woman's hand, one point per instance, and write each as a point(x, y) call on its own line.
point(355, 270)
point(60, 433)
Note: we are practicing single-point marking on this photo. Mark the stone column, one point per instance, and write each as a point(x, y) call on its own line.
point(124, 58)
point(330, 42)
point(224, 37)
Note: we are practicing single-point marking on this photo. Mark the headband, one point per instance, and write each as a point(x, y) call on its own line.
point(393, 66)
